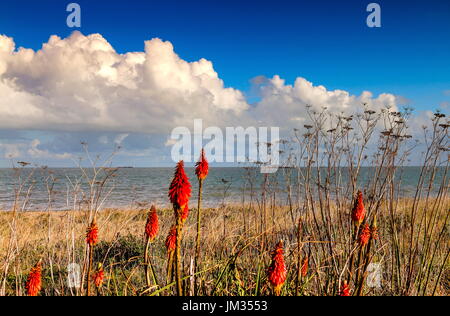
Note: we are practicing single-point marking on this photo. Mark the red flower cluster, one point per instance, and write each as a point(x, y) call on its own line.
point(358, 212)
point(277, 269)
point(171, 239)
point(364, 235)
point(152, 225)
point(98, 277)
point(34, 281)
point(92, 234)
point(345, 289)
point(201, 167)
point(304, 270)
point(180, 189)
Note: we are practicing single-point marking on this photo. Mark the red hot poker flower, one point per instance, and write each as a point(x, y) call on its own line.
point(180, 188)
point(201, 167)
point(171, 239)
point(152, 225)
point(277, 269)
point(304, 270)
point(99, 276)
point(34, 281)
point(358, 212)
point(92, 234)
point(345, 289)
point(364, 235)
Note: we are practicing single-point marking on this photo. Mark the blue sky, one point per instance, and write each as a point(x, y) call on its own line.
point(326, 42)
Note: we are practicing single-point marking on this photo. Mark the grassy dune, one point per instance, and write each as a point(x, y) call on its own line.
point(234, 257)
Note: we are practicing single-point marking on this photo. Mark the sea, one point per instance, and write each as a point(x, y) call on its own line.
point(65, 189)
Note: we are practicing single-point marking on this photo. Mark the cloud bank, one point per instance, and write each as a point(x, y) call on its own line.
point(81, 84)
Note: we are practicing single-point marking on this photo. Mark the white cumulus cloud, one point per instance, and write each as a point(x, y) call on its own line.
point(82, 83)
point(284, 105)
point(80, 86)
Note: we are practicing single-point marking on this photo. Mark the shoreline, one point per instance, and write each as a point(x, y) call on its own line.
point(219, 205)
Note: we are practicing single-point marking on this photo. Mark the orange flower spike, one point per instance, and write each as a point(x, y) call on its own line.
point(92, 234)
point(152, 225)
point(358, 212)
point(277, 270)
point(180, 188)
point(99, 276)
point(202, 167)
point(304, 270)
point(345, 289)
point(171, 239)
point(34, 281)
point(364, 235)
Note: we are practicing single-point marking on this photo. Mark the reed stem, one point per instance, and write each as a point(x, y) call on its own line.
point(178, 256)
point(197, 242)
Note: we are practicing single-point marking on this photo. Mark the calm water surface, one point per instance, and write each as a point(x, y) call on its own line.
point(150, 185)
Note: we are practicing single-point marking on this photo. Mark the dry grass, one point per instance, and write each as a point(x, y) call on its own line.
point(58, 239)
